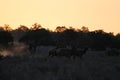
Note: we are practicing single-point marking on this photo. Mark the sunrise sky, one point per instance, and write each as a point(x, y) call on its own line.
point(95, 14)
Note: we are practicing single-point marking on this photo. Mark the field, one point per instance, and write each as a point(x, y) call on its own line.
point(94, 65)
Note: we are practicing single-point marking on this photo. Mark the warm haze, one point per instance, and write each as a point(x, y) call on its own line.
point(95, 14)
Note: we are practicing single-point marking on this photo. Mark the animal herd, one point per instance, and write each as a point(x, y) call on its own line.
point(64, 52)
point(70, 52)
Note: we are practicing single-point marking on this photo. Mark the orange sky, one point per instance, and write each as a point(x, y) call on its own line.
point(95, 14)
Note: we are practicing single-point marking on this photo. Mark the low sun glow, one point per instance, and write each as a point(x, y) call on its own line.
point(94, 14)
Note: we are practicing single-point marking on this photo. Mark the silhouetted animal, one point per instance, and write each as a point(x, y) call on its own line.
point(67, 52)
point(79, 53)
point(52, 52)
point(60, 52)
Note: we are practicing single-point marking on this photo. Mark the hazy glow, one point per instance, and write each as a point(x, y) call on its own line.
point(95, 14)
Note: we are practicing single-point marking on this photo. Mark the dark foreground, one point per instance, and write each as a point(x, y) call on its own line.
point(93, 66)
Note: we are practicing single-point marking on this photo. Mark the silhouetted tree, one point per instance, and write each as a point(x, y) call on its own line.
point(85, 29)
point(60, 29)
point(83, 39)
point(68, 37)
point(100, 39)
point(117, 41)
point(36, 26)
point(37, 37)
point(7, 27)
point(5, 39)
point(19, 32)
point(62, 37)
point(23, 28)
point(1, 28)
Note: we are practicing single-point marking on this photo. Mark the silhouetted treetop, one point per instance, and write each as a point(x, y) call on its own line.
point(67, 37)
point(36, 26)
point(7, 27)
point(61, 36)
point(60, 29)
point(23, 28)
point(5, 37)
point(84, 29)
point(38, 37)
point(1, 28)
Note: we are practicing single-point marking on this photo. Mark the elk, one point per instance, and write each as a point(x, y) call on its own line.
point(79, 53)
point(67, 52)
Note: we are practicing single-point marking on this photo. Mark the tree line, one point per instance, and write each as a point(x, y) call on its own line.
point(60, 37)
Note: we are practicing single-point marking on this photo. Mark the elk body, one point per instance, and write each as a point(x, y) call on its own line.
point(67, 52)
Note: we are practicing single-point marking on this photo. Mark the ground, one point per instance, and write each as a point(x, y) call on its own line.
point(94, 65)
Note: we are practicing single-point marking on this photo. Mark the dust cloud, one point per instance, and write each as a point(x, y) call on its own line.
point(16, 49)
